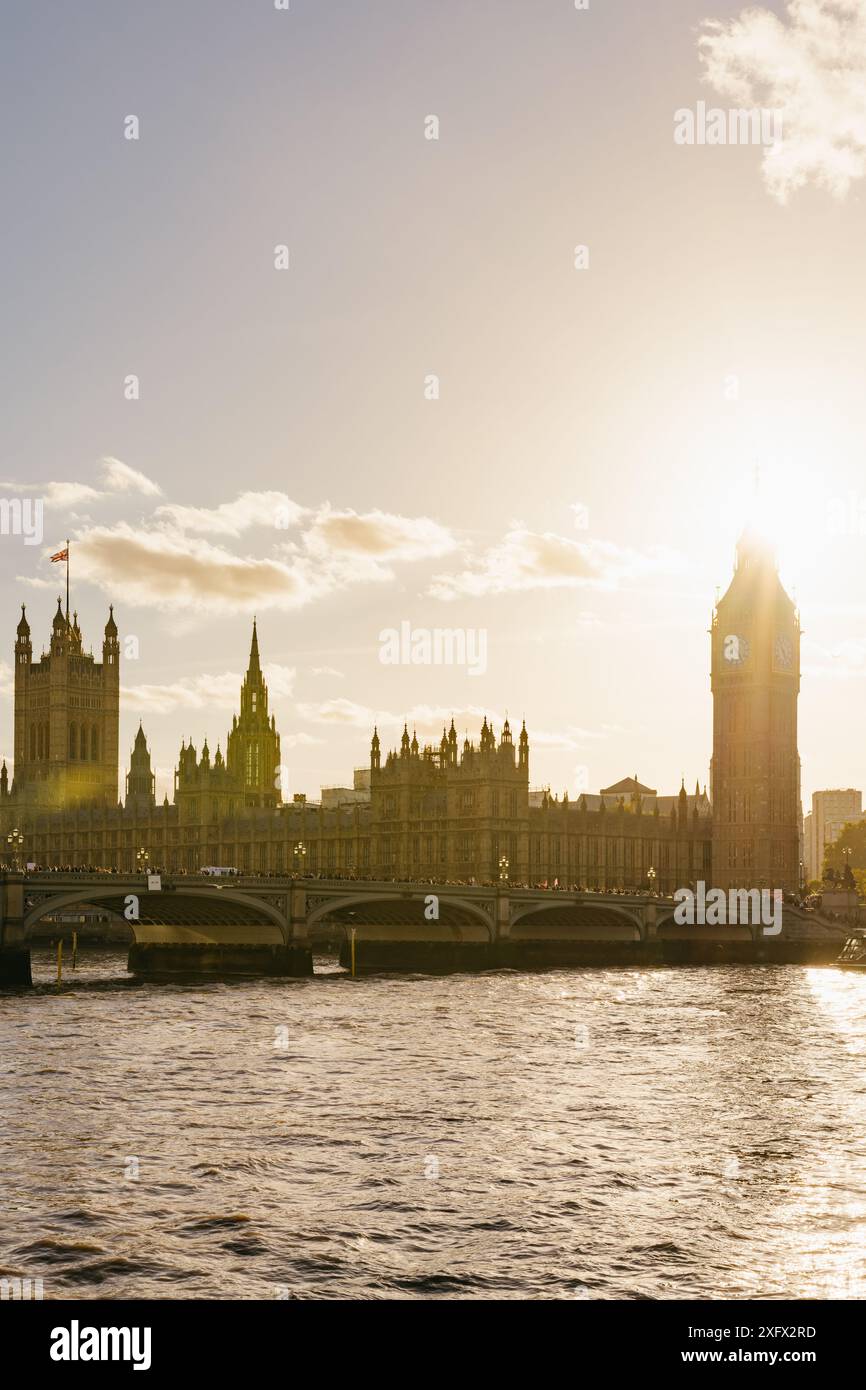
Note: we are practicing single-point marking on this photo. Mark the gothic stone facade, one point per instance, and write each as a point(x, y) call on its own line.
point(434, 812)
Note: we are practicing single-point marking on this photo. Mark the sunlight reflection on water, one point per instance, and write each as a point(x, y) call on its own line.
point(691, 1133)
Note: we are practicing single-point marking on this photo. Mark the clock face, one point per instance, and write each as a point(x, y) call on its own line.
point(783, 653)
point(735, 649)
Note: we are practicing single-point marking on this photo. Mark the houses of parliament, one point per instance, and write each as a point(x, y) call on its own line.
point(439, 812)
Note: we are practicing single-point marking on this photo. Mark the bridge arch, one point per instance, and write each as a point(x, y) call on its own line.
point(468, 917)
point(668, 929)
point(564, 919)
point(191, 914)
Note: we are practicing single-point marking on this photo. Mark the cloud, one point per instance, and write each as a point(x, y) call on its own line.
point(571, 738)
point(55, 494)
point(526, 560)
point(203, 691)
point(378, 536)
point(168, 570)
point(116, 477)
point(429, 720)
point(272, 509)
point(119, 477)
point(170, 564)
point(811, 66)
point(328, 671)
point(299, 740)
point(179, 558)
point(340, 711)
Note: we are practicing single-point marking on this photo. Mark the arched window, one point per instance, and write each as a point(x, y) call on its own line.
point(94, 745)
point(32, 742)
point(73, 742)
point(46, 740)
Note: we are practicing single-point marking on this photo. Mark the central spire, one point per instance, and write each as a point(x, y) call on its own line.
point(254, 669)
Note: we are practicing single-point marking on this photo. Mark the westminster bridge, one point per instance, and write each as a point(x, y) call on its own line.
point(245, 924)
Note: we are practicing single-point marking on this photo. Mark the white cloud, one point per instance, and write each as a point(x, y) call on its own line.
point(529, 560)
point(571, 738)
point(55, 494)
point(119, 477)
point(116, 477)
point(204, 691)
point(811, 66)
point(377, 536)
point(300, 740)
point(168, 570)
point(273, 509)
point(169, 565)
point(339, 711)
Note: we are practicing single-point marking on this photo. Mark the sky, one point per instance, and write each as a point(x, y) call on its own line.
point(439, 412)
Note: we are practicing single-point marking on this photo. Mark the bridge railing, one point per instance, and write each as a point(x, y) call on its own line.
point(318, 883)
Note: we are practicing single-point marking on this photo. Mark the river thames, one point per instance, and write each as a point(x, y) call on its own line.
point(590, 1134)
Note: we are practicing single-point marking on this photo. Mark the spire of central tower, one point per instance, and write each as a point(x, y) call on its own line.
point(254, 669)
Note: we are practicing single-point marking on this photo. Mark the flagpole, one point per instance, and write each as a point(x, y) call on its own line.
point(67, 581)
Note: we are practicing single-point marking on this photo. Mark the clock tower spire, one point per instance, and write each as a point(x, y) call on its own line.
point(755, 665)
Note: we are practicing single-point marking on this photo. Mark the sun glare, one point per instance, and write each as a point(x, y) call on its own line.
point(786, 504)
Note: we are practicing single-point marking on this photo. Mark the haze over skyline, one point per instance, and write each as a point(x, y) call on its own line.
point(578, 487)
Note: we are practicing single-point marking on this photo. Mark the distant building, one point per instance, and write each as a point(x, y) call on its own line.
point(831, 811)
point(356, 795)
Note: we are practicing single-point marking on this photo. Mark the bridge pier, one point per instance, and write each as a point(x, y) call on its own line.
point(160, 959)
point(14, 952)
point(14, 968)
point(285, 951)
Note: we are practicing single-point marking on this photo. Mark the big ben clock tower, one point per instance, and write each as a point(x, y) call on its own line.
point(755, 668)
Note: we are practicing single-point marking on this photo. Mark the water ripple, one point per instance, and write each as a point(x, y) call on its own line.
point(617, 1134)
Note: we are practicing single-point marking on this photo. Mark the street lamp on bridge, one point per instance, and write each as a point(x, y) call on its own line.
point(142, 860)
point(301, 853)
point(651, 875)
point(503, 869)
point(15, 840)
